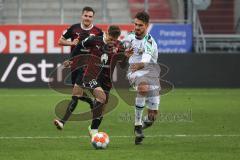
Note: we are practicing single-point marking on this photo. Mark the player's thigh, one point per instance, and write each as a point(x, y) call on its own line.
point(77, 90)
point(99, 94)
point(146, 85)
point(153, 102)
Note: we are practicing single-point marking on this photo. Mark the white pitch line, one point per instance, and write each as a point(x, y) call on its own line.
point(148, 136)
point(173, 94)
point(33, 95)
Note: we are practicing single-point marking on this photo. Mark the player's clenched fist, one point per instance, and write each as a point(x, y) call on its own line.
point(129, 52)
point(75, 42)
point(67, 63)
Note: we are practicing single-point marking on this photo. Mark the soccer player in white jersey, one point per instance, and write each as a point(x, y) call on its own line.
point(143, 74)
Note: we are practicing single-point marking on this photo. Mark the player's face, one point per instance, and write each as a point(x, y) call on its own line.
point(109, 39)
point(140, 28)
point(87, 18)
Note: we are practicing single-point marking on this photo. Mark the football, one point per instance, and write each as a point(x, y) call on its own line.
point(100, 140)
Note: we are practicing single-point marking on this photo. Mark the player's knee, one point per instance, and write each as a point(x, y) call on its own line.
point(152, 115)
point(77, 91)
point(99, 95)
point(101, 99)
point(143, 89)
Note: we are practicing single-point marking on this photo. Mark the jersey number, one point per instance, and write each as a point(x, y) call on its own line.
point(92, 83)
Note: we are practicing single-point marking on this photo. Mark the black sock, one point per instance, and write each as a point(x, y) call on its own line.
point(97, 114)
point(87, 99)
point(71, 107)
point(96, 123)
point(147, 122)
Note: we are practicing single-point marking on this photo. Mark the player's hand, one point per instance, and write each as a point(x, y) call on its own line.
point(67, 63)
point(136, 66)
point(133, 67)
point(129, 52)
point(75, 42)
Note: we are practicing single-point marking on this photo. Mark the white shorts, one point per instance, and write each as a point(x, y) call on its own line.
point(153, 97)
point(153, 103)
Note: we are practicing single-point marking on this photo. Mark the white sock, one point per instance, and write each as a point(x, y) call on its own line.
point(145, 119)
point(138, 115)
point(93, 132)
point(140, 103)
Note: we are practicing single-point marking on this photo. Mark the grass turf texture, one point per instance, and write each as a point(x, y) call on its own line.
point(195, 124)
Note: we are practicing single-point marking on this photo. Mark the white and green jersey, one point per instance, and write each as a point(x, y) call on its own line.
point(145, 50)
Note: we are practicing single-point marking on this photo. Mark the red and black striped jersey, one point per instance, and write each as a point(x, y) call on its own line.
point(99, 64)
point(76, 31)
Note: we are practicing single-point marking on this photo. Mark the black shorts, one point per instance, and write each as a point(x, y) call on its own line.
point(89, 84)
point(77, 76)
point(92, 84)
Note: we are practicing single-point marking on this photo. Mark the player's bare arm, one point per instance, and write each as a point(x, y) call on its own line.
point(136, 66)
point(64, 42)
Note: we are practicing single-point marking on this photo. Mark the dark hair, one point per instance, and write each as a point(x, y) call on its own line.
point(89, 9)
point(143, 16)
point(114, 31)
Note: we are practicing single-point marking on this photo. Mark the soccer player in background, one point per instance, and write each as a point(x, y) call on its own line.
point(144, 74)
point(77, 33)
point(104, 51)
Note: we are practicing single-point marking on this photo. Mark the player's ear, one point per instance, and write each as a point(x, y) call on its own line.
point(107, 34)
point(147, 25)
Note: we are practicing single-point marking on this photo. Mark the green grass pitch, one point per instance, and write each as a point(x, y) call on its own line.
point(195, 124)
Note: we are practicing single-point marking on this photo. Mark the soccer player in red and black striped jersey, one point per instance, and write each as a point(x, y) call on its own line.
point(77, 33)
point(80, 31)
point(104, 51)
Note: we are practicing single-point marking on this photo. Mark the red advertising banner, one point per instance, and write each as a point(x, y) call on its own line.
point(35, 39)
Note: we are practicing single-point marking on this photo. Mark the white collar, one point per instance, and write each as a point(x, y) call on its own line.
point(86, 29)
point(146, 35)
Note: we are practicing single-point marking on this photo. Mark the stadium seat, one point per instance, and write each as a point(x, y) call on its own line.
point(48, 12)
point(158, 9)
point(220, 11)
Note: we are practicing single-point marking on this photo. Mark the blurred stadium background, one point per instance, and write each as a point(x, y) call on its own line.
point(199, 42)
point(216, 23)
